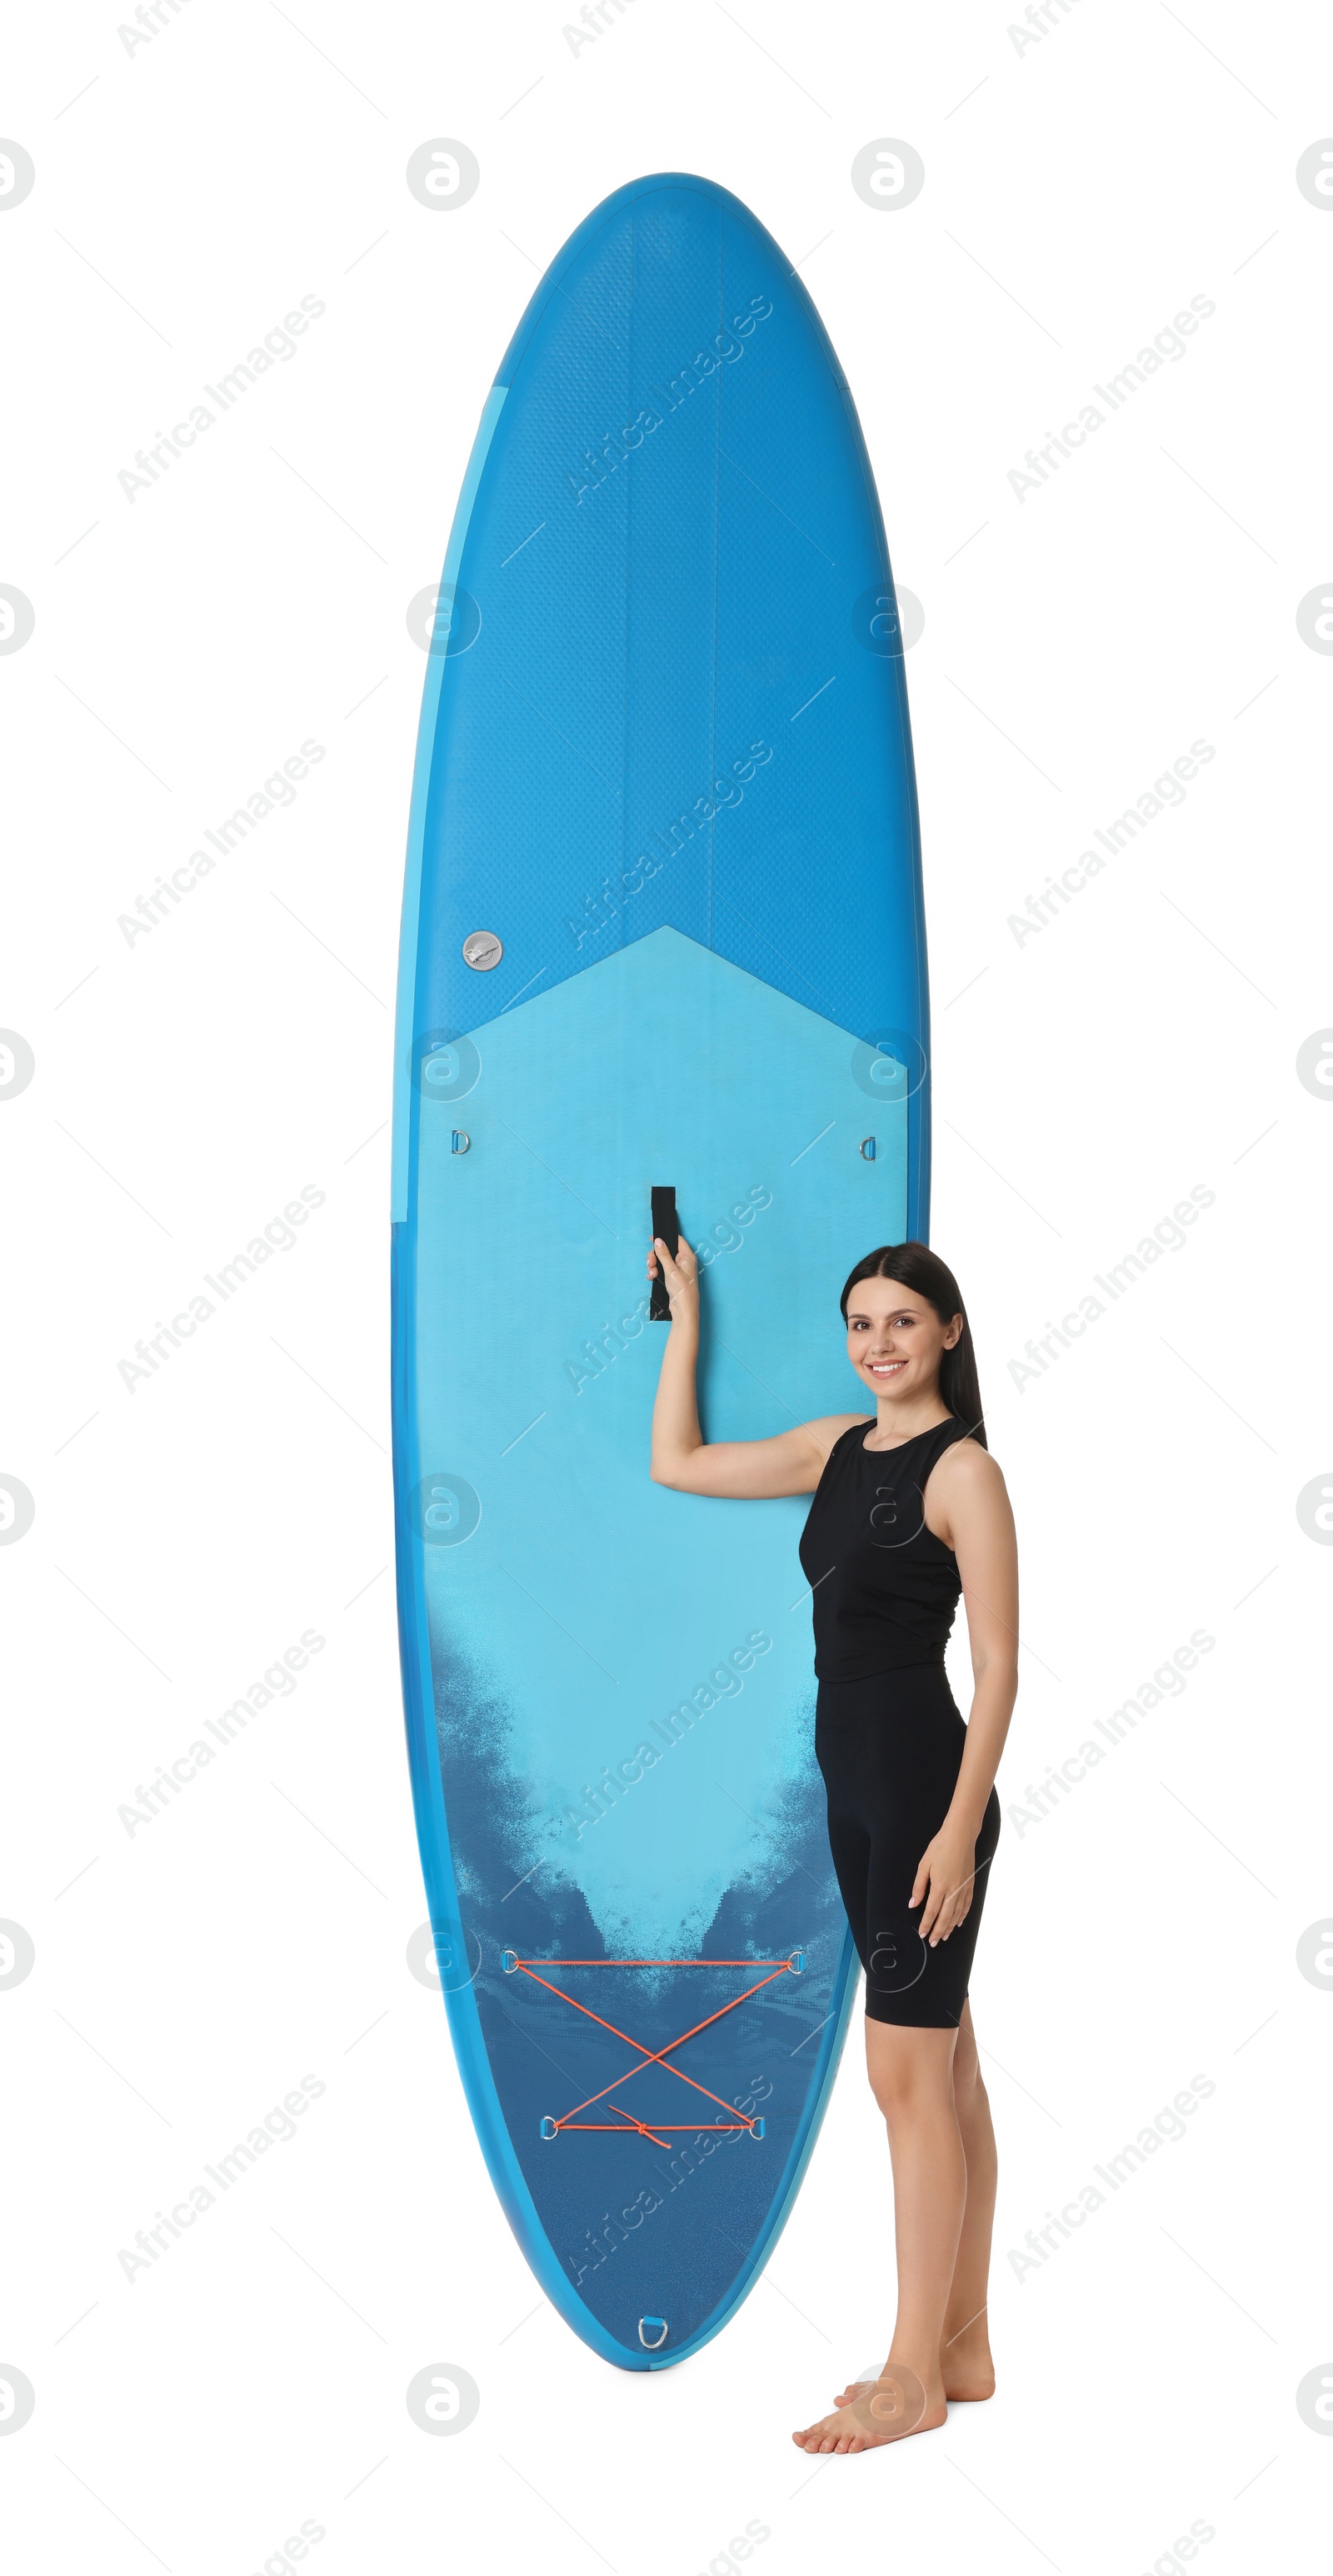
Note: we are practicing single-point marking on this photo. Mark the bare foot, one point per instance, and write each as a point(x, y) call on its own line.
point(856, 2388)
point(966, 2364)
point(879, 2411)
point(966, 2369)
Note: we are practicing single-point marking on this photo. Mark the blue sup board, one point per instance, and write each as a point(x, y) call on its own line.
point(662, 928)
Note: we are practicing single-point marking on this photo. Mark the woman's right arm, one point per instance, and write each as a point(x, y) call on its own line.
point(742, 1470)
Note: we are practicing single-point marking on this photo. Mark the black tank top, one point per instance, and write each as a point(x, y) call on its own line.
point(884, 1588)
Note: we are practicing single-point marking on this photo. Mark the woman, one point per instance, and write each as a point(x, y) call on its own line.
point(908, 1513)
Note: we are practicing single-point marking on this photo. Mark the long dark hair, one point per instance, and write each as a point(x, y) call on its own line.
point(914, 1265)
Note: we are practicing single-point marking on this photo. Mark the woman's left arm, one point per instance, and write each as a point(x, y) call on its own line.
point(978, 1524)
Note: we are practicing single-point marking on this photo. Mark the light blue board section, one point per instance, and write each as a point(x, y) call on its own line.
point(583, 1588)
point(565, 1618)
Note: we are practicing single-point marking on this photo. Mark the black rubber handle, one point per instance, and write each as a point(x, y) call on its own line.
point(665, 1228)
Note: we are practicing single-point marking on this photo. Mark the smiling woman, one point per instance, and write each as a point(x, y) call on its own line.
point(909, 1514)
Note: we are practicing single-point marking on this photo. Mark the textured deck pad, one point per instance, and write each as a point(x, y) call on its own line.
point(664, 760)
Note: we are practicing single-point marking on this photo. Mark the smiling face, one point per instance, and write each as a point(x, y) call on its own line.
point(895, 1341)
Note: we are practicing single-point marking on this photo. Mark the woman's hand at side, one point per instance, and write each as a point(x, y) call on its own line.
point(944, 1881)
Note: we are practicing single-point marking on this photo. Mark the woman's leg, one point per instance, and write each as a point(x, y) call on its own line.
point(969, 2371)
point(912, 2081)
point(911, 2077)
point(890, 1765)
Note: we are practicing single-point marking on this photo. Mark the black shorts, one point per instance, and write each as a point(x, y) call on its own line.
point(890, 1749)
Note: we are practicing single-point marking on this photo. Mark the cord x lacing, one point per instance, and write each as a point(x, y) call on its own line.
point(626, 2124)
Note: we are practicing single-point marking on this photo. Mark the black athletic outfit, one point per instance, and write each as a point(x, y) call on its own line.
point(889, 1735)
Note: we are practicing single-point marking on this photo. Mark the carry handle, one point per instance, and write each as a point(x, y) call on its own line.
point(666, 1229)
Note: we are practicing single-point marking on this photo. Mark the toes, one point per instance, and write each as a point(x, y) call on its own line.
point(828, 2437)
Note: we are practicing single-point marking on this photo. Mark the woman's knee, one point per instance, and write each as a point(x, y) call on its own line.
point(909, 2070)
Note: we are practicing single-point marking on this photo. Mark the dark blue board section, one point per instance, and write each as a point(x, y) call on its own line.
point(758, 606)
point(664, 758)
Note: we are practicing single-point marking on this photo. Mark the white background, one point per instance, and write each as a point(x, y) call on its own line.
point(1078, 193)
